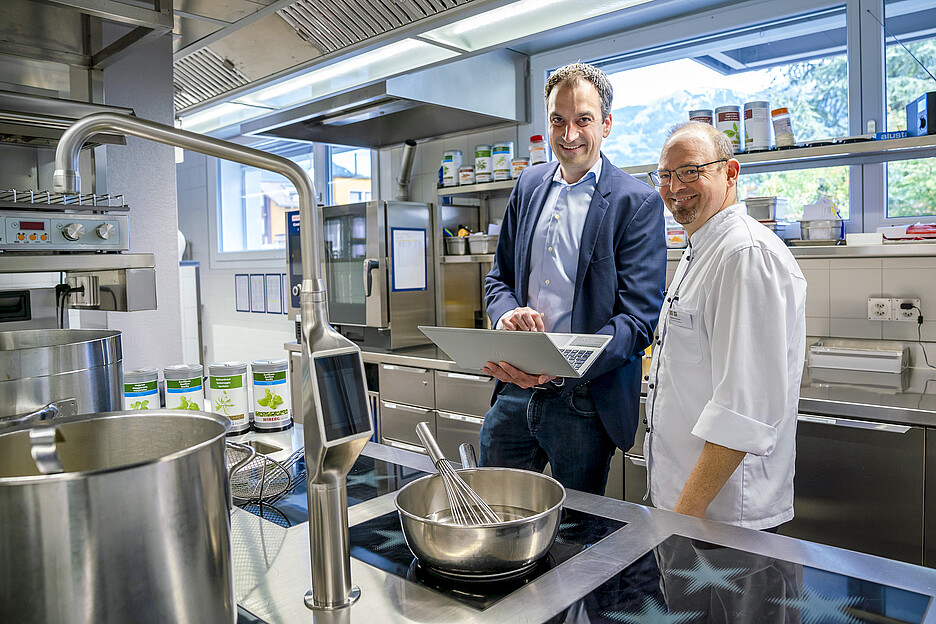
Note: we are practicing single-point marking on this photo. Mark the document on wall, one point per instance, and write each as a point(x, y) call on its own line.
point(274, 297)
point(257, 294)
point(242, 292)
point(408, 255)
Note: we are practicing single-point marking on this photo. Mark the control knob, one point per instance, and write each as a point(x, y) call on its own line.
point(106, 231)
point(73, 231)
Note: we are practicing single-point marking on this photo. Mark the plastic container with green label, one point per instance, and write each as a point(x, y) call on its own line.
point(184, 387)
point(271, 404)
point(227, 389)
point(141, 390)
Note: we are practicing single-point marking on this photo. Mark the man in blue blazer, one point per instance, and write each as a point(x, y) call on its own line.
point(582, 249)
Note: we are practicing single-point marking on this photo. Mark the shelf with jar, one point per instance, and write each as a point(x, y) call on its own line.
point(832, 153)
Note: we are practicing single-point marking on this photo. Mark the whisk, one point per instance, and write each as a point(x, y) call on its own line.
point(467, 507)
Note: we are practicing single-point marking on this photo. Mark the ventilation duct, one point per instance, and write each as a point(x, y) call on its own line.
point(40, 121)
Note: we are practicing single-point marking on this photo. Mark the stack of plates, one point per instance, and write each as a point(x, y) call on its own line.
point(767, 208)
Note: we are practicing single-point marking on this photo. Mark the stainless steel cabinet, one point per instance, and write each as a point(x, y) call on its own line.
point(859, 485)
point(398, 422)
point(463, 393)
point(453, 430)
point(407, 384)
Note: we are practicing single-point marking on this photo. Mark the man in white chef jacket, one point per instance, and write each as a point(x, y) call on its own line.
point(724, 381)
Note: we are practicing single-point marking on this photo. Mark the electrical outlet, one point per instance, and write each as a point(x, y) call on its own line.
point(880, 309)
point(906, 315)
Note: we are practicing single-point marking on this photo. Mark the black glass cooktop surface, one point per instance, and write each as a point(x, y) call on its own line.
point(686, 581)
point(368, 478)
point(380, 543)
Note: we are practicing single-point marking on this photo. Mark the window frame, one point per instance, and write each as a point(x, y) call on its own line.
point(650, 45)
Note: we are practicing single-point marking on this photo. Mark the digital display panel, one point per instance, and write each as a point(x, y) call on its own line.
point(31, 225)
point(343, 395)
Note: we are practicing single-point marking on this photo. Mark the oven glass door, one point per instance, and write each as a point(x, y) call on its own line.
point(355, 265)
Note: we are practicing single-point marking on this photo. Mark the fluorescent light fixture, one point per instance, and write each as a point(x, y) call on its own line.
point(395, 58)
point(521, 19)
point(219, 116)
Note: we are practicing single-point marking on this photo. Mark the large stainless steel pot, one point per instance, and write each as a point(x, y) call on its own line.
point(136, 528)
point(43, 366)
point(530, 504)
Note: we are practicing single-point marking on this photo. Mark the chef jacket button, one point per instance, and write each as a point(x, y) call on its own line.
point(669, 300)
point(646, 377)
point(650, 386)
point(659, 341)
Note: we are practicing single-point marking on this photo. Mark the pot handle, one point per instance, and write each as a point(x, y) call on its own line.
point(251, 453)
point(43, 450)
point(55, 409)
point(467, 454)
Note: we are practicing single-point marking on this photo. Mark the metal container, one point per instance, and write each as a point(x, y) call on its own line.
point(43, 366)
point(482, 243)
point(821, 229)
point(530, 502)
point(136, 528)
point(456, 245)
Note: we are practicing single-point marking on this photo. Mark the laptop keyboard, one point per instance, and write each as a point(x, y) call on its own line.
point(576, 357)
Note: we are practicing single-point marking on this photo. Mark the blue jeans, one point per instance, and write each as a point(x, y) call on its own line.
point(528, 427)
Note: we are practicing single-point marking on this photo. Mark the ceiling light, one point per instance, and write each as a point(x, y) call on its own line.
point(521, 19)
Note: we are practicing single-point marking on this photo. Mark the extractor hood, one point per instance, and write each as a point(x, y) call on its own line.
point(474, 93)
point(40, 121)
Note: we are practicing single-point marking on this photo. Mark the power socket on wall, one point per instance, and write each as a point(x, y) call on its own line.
point(884, 309)
point(906, 315)
point(880, 309)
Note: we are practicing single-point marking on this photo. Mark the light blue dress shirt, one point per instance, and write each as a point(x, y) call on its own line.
point(554, 252)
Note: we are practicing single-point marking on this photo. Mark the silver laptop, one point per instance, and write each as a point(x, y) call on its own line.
point(537, 353)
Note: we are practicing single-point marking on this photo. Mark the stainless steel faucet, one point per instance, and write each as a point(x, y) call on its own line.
point(326, 468)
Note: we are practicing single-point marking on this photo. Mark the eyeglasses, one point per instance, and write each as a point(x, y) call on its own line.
point(687, 174)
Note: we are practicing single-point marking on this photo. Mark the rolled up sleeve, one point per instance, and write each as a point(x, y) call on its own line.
point(720, 425)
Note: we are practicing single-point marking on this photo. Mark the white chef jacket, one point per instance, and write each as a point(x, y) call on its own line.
point(727, 365)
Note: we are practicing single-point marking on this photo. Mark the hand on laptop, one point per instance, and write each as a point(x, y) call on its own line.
point(510, 374)
point(522, 319)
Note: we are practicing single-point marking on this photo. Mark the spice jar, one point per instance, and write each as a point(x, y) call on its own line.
point(141, 389)
point(782, 127)
point(184, 387)
point(227, 388)
point(537, 149)
point(271, 398)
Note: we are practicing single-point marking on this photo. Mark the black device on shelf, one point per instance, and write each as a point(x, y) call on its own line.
point(921, 115)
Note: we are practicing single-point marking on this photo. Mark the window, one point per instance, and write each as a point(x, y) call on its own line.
point(911, 184)
point(251, 219)
point(349, 175)
point(799, 187)
point(254, 201)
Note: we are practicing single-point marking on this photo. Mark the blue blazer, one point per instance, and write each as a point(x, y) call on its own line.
point(618, 285)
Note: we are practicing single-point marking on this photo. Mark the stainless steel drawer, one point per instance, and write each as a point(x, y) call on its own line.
point(463, 393)
point(398, 422)
point(407, 384)
point(454, 429)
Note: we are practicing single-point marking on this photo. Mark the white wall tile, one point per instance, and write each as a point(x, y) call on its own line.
point(817, 292)
point(855, 328)
point(849, 290)
point(916, 262)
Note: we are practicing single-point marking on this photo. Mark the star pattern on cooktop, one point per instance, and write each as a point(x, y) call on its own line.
point(564, 526)
point(651, 613)
point(816, 608)
point(391, 539)
point(371, 479)
point(704, 575)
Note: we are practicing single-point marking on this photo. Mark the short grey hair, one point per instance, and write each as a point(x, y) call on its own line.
point(718, 139)
point(572, 73)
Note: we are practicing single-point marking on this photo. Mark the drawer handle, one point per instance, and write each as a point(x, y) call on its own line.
point(475, 378)
point(853, 424)
point(405, 447)
point(461, 417)
point(404, 369)
point(406, 408)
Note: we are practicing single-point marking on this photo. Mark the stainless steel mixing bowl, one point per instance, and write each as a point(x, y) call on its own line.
point(529, 502)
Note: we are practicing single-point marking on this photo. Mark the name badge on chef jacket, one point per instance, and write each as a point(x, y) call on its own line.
point(680, 317)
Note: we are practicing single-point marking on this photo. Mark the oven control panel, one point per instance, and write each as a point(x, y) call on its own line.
point(63, 231)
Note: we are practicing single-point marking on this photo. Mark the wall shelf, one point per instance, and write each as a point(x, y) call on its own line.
point(453, 259)
point(72, 263)
point(860, 153)
point(475, 188)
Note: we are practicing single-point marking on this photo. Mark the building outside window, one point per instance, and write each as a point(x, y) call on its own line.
point(349, 175)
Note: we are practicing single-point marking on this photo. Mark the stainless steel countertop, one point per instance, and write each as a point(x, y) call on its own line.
point(911, 401)
point(272, 569)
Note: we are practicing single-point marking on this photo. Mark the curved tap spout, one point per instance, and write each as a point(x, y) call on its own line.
point(67, 180)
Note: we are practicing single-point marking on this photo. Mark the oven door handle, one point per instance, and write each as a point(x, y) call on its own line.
point(369, 265)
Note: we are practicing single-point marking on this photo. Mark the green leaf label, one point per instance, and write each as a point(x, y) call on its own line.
point(225, 383)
